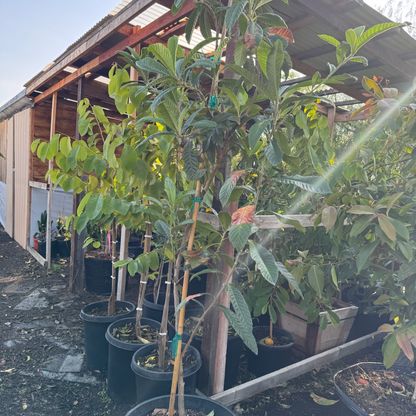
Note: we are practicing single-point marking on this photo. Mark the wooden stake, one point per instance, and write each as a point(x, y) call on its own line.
point(143, 279)
point(182, 311)
point(124, 246)
point(112, 300)
point(49, 202)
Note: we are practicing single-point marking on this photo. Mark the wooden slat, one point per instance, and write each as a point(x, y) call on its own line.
point(339, 118)
point(39, 185)
point(253, 387)
point(36, 255)
point(103, 32)
point(166, 20)
point(3, 151)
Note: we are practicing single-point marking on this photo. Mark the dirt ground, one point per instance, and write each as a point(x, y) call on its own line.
point(42, 365)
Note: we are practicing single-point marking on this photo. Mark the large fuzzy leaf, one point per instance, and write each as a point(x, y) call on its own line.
point(240, 320)
point(190, 160)
point(265, 262)
point(256, 130)
point(289, 277)
point(373, 32)
point(239, 235)
point(273, 153)
point(94, 206)
point(233, 13)
point(151, 65)
point(315, 184)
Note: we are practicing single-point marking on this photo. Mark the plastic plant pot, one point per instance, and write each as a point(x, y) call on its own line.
point(95, 327)
point(120, 377)
point(197, 403)
point(151, 384)
point(270, 358)
point(153, 310)
point(64, 247)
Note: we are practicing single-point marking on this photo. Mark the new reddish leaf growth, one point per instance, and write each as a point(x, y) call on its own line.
point(235, 176)
point(243, 215)
point(284, 32)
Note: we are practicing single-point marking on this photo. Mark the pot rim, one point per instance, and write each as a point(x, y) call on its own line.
point(281, 332)
point(103, 319)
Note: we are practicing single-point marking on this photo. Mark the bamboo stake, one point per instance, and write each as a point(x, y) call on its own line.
point(112, 300)
point(182, 311)
point(143, 279)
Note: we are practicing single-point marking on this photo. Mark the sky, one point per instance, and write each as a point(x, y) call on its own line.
point(35, 32)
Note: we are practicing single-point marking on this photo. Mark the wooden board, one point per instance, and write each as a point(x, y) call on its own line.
point(3, 151)
point(10, 179)
point(253, 387)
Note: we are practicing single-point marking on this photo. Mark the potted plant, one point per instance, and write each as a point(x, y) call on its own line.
point(63, 238)
point(39, 238)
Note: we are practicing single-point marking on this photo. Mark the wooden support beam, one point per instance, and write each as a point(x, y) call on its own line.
point(325, 14)
point(345, 117)
point(140, 36)
point(49, 200)
point(310, 71)
point(76, 265)
point(269, 381)
point(331, 121)
point(127, 14)
point(341, 7)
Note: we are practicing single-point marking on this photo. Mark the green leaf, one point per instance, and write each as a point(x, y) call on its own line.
point(83, 203)
point(287, 220)
point(265, 262)
point(94, 206)
point(81, 223)
point(190, 160)
point(256, 130)
point(360, 225)
point(334, 318)
point(162, 229)
point(329, 217)
point(239, 235)
point(324, 323)
point(273, 314)
point(191, 23)
point(263, 52)
point(53, 147)
point(151, 65)
point(334, 276)
point(34, 145)
point(42, 150)
point(233, 13)
point(351, 38)
point(315, 184)
point(373, 32)
point(361, 210)
point(72, 158)
point(289, 277)
point(122, 206)
point(387, 227)
point(273, 153)
point(128, 158)
point(406, 270)
point(204, 24)
point(65, 145)
point(392, 200)
point(382, 299)
point(400, 228)
point(226, 191)
point(316, 280)
point(121, 263)
point(363, 258)
point(406, 249)
point(390, 350)
point(225, 219)
point(132, 268)
point(170, 190)
point(331, 40)
point(241, 319)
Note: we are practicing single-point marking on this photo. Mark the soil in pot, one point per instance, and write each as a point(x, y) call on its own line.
point(194, 405)
point(96, 322)
point(152, 381)
point(153, 310)
point(164, 412)
point(270, 357)
point(127, 333)
point(98, 269)
point(234, 345)
point(370, 389)
point(121, 379)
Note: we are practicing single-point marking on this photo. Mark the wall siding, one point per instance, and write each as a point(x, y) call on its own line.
point(10, 178)
point(3, 190)
point(3, 151)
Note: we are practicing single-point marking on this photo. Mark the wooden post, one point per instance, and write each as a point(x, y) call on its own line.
point(76, 265)
point(332, 111)
point(125, 234)
point(124, 245)
point(215, 336)
point(49, 201)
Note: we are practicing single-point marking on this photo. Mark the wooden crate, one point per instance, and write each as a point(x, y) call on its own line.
point(309, 339)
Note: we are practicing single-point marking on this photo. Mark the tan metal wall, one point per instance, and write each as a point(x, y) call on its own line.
point(3, 151)
point(17, 217)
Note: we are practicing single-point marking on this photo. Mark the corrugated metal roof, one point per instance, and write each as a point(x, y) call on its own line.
point(154, 12)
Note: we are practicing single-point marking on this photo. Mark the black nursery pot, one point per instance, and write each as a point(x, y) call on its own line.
point(153, 310)
point(120, 378)
point(201, 404)
point(95, 327)
point(151, 384)
point(64, 247)
point(366, 323)
point(270, 357)
point(234, 346)
point(42, 248)
point(98, 276)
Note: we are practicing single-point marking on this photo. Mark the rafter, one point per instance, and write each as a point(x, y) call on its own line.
point(140, 36)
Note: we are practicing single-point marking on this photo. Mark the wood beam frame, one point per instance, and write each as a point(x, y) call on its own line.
point(103, 32)
point(49, 200)
point(140, 36)
point(341, 7)
point(322, 12)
